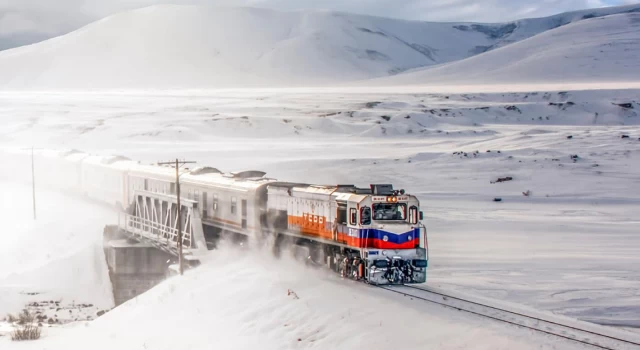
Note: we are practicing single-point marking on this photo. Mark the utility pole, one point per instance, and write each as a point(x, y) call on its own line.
point(178, 164)
point(33, 184)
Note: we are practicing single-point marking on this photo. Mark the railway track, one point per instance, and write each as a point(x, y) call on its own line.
point(575, 333)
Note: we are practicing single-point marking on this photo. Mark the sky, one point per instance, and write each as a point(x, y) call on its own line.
point(27, 21)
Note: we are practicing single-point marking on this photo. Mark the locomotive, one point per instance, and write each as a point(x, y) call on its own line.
point(374, 234)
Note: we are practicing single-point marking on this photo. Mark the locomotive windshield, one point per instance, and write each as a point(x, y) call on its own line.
point(389, 211)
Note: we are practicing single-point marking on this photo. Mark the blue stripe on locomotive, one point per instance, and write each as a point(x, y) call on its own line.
point(398, 238)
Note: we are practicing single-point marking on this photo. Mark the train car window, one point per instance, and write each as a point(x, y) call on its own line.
point(196, 196)
point(413, 215)
point(215, 202)
point(365, 216)
point(173, 188)
point(389, 211)
point(234, 202)
point(352, 216)
point(146, 184)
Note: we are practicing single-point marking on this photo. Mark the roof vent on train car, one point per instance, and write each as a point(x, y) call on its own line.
point(113, 159)
point(69, 152)
point(205, 170)
point(248, 174)
point(382, 190)
point(363, 191)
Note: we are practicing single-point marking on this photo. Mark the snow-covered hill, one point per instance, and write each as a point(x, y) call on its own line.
point(604, 50)
point(519, 30)
point(171, 46)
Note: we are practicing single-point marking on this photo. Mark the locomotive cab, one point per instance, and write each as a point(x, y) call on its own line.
point(392, 238)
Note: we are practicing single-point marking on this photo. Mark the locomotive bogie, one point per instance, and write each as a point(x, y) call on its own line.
point(396, 266)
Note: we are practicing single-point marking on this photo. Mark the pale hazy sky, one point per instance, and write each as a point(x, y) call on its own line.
point(30, 20)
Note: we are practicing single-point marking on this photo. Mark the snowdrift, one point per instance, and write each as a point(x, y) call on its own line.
point(171, 46)
point(251, 301)
point(595, 50)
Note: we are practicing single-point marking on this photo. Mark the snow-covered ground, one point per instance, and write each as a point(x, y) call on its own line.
point(56, 263)
point(552, 103)
point(570, 248)
point(238, 300)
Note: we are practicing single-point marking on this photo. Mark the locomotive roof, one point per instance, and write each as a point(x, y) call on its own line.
point(349, 193)
point(316, 189)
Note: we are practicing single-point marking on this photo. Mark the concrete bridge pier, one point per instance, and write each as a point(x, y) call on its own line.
point(134, 267)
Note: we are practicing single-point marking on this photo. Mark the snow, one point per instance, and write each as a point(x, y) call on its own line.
point(57, 258)
point(527, 28)
point(570, 248)
point(596, 50)
point(443, 133)
point(173, 46)
point(239, 300)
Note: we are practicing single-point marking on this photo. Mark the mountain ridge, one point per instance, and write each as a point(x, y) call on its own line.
point(186, 46)
point(604, 49)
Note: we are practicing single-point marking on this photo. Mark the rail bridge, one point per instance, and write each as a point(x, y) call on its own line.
point(154, 220)
point(142, 249)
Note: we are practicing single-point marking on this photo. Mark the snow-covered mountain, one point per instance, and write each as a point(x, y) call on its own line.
point(522, 29)
point(604, 50)
point(15, 40)
point(170, 46)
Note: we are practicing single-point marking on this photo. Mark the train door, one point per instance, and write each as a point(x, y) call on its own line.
point(353, 233)
point(341, 222)
point(244, 213)
point(332, 219)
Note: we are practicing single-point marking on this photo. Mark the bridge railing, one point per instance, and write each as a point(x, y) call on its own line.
point(154, 221)
point(144, 228)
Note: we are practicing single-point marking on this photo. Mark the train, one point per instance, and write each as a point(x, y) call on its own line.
point(374, 234)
